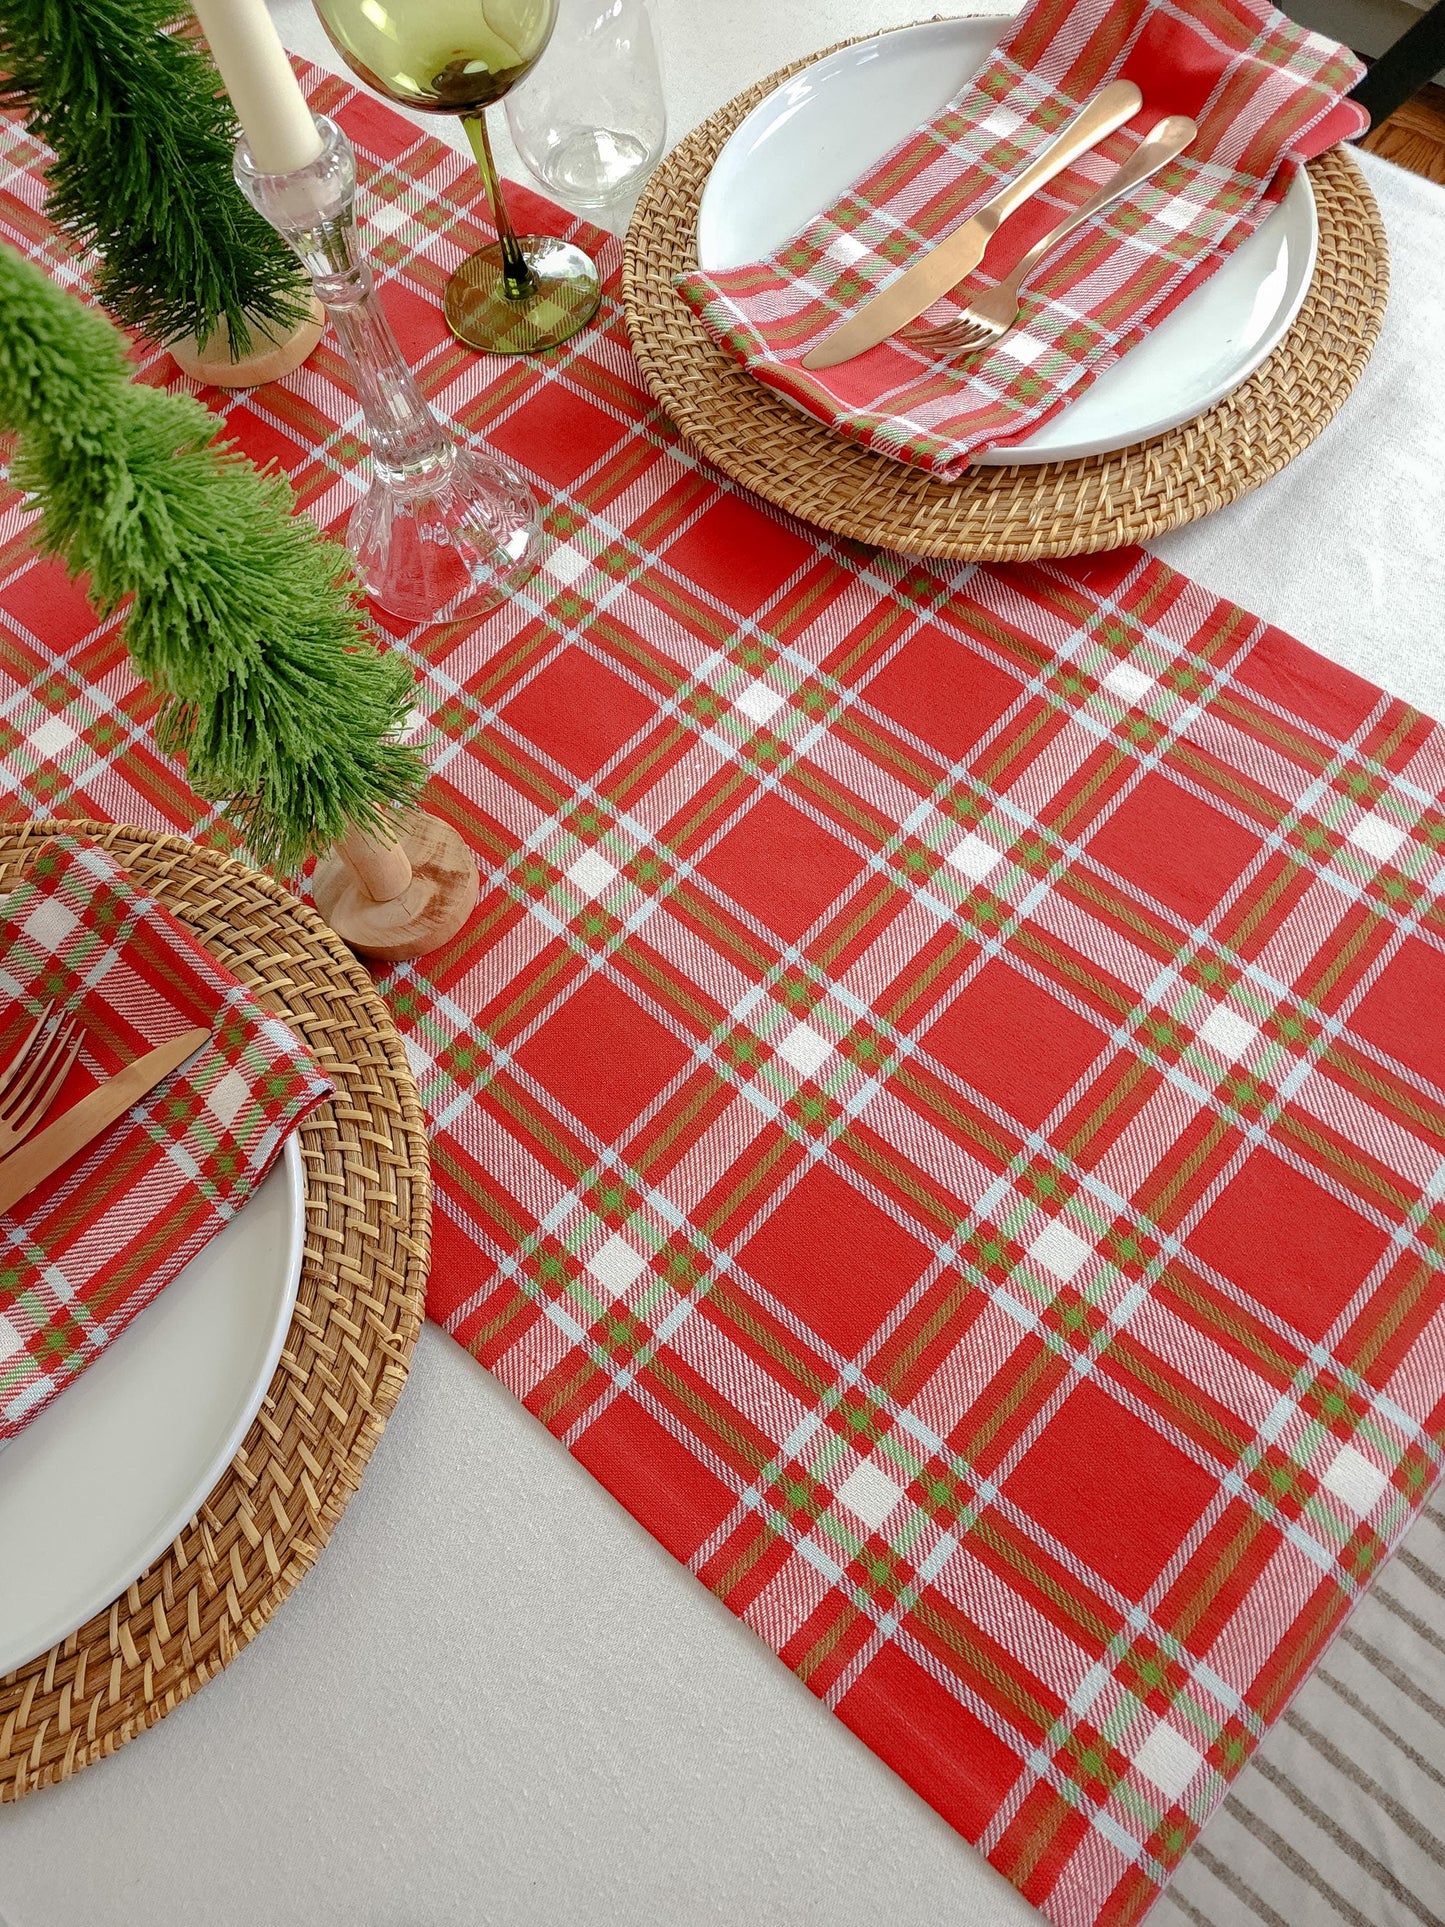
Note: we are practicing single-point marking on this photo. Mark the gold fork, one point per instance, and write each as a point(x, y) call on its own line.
point(991, 316)
point(31, 1082)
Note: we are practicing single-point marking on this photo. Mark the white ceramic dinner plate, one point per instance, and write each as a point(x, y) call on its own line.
point(801, 147)
point(96, 1488)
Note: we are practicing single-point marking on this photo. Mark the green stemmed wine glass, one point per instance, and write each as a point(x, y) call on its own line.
point(457, 57)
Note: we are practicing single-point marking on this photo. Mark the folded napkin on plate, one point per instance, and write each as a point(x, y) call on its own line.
point(86, 1250)
point(1267, 96)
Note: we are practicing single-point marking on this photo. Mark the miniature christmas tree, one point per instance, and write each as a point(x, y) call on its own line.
point(143, 141)
point(244, 616)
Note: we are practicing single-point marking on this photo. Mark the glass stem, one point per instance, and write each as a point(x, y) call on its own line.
point(518, 281)
point(314, 209)
point(407, 440)
point(442, 528)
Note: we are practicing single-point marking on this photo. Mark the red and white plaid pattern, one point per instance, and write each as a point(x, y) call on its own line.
point(1267, 96)
point(95, 1243)
point(941, 1104)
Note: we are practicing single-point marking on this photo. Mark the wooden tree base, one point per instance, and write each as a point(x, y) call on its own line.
point(397, 900)
point(269, 359)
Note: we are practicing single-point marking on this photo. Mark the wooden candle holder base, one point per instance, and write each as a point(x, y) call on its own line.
point(397, 900)
point(268, 360)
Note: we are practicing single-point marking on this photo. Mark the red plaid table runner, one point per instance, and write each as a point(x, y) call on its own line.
point(95, 1243)
point(1267, 96)
point(940, 1104)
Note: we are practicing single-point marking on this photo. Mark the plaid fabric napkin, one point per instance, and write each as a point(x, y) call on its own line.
point(1267, 96)
point(89, 1248)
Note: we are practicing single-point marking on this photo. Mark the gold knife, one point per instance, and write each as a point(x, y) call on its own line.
point(74, 1129)
point(946, 264)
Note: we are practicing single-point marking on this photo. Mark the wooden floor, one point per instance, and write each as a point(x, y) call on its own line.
point(1414, 137)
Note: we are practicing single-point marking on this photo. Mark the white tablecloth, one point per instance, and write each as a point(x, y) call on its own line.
point(496, 1699)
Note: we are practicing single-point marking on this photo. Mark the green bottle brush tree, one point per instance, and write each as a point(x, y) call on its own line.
point(143, 139)
point(244, 617)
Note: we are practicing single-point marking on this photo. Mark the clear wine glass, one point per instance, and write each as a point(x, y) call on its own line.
point(520, 294)
point(591, 122)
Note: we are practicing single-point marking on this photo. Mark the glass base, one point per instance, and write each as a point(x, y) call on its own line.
point(566, 297)
point(451, 543)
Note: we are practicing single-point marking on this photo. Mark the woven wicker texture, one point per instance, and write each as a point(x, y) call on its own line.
point(998, 514)
point(358, 1311)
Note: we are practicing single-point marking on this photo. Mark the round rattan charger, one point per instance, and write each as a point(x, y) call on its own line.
point(358, 1310)
point(998, 514)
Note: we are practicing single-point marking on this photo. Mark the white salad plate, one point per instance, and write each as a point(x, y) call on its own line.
point(799, 149)
point(95, 1488)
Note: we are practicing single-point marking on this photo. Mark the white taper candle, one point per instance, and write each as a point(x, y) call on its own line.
point(264, 91)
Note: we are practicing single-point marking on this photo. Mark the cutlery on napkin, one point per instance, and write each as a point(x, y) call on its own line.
point(989, 317)
point(39, 1156)
point(946, 263)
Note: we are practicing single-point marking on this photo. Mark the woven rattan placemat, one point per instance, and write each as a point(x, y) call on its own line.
point(358, 1311)
point(998, 514)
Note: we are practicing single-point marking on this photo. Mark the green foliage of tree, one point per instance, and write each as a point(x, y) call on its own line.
point(244, 617)
point(143, 140)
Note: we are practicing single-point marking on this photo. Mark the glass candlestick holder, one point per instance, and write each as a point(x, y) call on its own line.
point(444, 529)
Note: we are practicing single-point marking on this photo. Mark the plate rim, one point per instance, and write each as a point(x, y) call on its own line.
point(1022, 454)
point(118, 1579)
point(1023, 514)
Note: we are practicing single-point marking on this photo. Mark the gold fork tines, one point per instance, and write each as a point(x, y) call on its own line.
point(45, 1024)
point(32, 1080)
